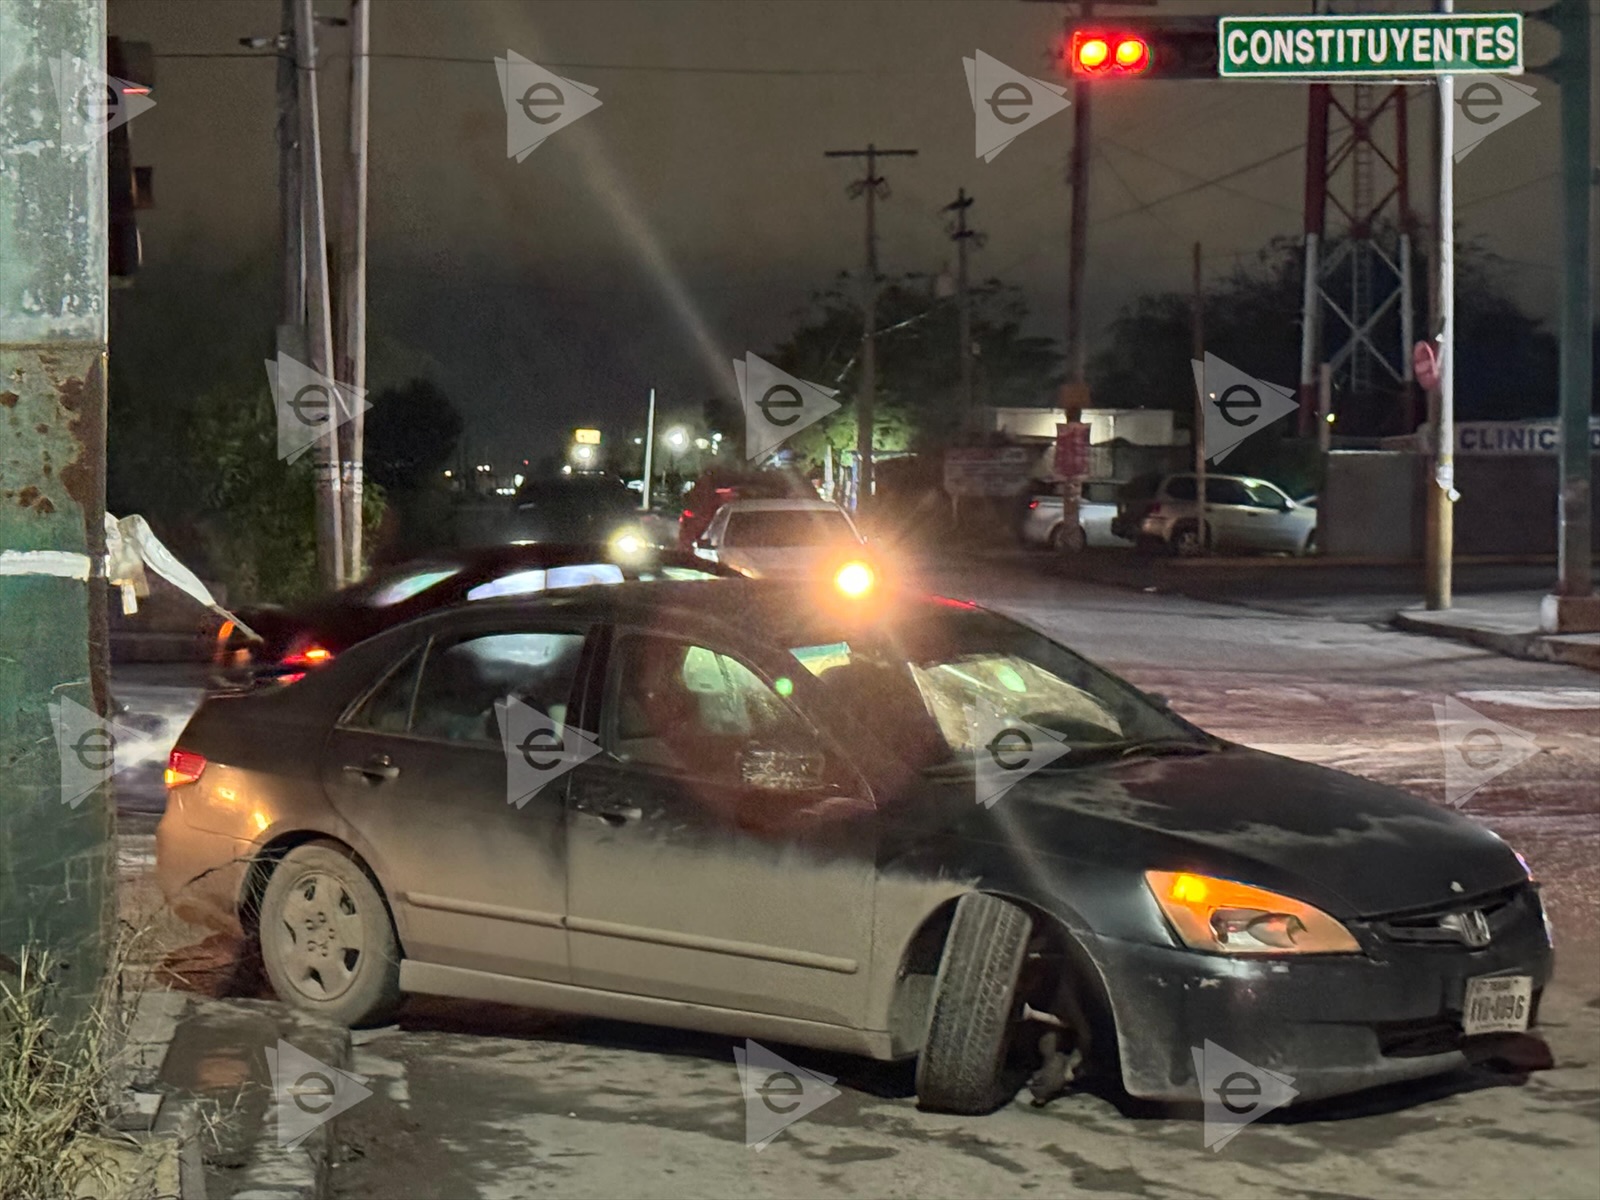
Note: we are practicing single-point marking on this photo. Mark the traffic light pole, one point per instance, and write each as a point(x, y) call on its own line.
point(56, 851)
point(1574, 607)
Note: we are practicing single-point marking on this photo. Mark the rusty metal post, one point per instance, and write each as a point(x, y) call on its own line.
point(56, 857)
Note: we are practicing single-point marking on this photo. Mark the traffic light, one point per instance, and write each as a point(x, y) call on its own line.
point(1142, 47)
point(131, 67)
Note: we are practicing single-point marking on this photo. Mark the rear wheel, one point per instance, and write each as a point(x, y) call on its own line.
point(1186, 541)
point(976, 1009)
point(1310, 546)
point(327, 940)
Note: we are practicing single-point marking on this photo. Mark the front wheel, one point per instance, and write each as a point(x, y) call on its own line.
point(327, 940)
point(1186, 541)
point(976, 1011)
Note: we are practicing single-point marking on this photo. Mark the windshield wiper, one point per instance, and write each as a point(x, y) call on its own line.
point(1172, 746)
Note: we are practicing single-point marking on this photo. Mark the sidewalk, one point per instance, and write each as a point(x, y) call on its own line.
point(1507, 623)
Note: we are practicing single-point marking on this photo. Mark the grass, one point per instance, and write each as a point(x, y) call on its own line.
point(57, 1077)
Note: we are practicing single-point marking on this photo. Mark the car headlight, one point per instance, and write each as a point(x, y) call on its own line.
point(1226, 917)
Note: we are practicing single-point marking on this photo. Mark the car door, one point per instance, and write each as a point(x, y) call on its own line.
point(719, 851)
point(1280, 530)
point(417, 766)
point(1231, 516)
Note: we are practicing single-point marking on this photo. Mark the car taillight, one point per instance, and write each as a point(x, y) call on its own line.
point(183, 766)
point(1033, 504)
point(688, 514)
point(307, 654)
point(1153, 511)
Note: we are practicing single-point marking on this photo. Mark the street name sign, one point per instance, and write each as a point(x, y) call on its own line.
point(1386, 46)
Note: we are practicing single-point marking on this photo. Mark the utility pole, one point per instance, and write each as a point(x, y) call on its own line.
point(319, 324)
point(352, 307)
point(57, 857)
point(289, 221)
point(1197, 332)
point(962, 236)
point(873, 186)
point(1078, 230)
point(1441, 489)
point(1574, 607)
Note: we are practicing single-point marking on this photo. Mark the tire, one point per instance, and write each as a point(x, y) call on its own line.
point(344, 969)
point(1053, 542)
point(1185, 541)
point(1072, 542)
point(963, 1065)
point(1310, 546)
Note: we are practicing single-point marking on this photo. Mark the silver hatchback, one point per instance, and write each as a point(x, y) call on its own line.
point(1242, 514)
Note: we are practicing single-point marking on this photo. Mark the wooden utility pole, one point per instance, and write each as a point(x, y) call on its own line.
point(352, 306)
point(1197, 330)
point(290, 223)
point(319, 324)
point(963, 238)
point(872, 186)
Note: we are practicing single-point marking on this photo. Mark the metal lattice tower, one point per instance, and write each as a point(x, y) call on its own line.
point(1358, 226)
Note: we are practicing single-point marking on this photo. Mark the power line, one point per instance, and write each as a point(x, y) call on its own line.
point(1526, 183)
point(1205, 183)
point(1193, 175)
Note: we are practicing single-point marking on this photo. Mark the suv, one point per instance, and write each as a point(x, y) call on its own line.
point(1241, 514)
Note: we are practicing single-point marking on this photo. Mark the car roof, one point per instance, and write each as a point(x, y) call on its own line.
point(739, 608)
point(788, 504)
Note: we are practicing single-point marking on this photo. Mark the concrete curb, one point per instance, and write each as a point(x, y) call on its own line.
point(1573, 650)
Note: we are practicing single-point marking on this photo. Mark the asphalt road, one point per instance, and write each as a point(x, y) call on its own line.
point(472, 1101)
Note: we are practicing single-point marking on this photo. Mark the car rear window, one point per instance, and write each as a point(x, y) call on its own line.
point(786, 527)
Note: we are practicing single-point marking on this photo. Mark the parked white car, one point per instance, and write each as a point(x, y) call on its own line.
point(1043, 524)
point(1242, 514)
point(778, 539)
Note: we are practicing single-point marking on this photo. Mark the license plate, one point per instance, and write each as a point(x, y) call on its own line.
point(1497, 1004)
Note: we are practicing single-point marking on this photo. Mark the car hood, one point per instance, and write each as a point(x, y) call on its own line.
point(1348, 845)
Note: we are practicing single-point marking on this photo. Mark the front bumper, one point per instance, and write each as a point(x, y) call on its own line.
point(1333, 1024)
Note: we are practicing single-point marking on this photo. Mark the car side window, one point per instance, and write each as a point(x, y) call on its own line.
point(1263, 496)
point(462, 681)
point(1225, 491)
point(1181, 488)
point(387, 708)
point(692, 709)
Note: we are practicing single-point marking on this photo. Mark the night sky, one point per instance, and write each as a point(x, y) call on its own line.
point(689, 218)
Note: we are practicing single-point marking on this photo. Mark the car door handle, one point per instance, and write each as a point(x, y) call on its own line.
point(377, 769)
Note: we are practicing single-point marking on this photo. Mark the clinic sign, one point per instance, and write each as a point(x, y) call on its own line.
point(1516, 437)
point(1387, 46)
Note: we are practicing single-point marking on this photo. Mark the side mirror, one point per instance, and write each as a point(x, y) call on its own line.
point(771, 770)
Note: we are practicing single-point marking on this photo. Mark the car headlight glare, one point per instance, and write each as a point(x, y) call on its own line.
point(1226, 917)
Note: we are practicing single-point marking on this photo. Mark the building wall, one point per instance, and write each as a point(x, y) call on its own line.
point(1372, 504)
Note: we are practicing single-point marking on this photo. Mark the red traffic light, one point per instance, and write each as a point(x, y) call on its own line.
point(1096, 52)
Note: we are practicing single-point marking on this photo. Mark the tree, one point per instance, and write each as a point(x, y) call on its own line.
point(411, 434)
point(918, 404)
point(1505, 360)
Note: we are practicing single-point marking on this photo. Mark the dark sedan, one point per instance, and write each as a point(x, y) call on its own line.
point(295, 638)
point(885, 824)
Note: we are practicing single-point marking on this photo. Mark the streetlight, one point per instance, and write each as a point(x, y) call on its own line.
point(677, 437)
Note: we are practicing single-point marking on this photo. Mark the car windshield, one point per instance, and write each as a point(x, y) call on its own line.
point(399, 585)
point(940, 688)
point(782, 527)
